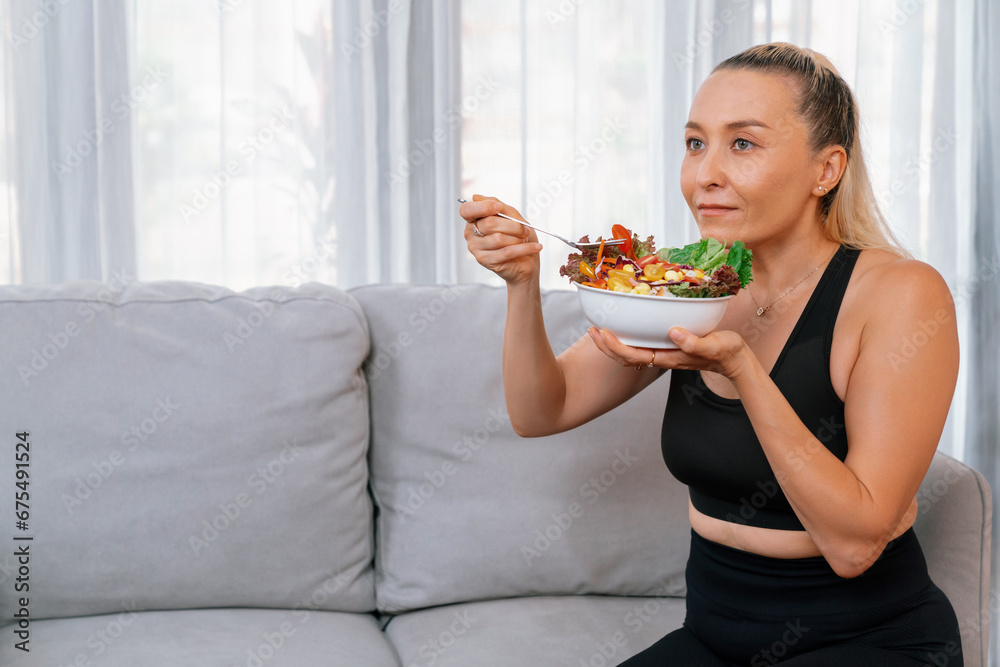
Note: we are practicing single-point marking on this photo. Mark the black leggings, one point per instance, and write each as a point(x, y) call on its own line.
point(749, 610)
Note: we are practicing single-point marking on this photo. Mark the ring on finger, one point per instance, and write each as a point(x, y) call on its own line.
point(475, 230)
point(639, 366)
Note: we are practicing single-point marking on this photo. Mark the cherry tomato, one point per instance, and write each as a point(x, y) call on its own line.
point(654, 271)
point(619, 232)
point(586, 270)
point(647, 259)
point(619, 285)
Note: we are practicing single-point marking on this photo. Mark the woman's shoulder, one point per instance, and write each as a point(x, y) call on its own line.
point(886, 284)
point(888, 272)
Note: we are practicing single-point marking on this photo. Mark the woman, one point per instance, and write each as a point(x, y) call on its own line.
point(801, 399)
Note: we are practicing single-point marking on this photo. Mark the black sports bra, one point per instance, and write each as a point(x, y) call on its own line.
point(708, 442)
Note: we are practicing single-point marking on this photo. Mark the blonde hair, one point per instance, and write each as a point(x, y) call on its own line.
point(851, 214)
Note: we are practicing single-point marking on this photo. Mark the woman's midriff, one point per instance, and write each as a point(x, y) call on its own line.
point(769, 541)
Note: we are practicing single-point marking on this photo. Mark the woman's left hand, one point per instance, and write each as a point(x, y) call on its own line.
point(723, 352)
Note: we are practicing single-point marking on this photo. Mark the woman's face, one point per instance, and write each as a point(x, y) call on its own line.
point(748, 173)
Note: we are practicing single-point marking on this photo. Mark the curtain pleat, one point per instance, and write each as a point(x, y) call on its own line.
point(70, 163)
point(983, 427)
point(398, 171)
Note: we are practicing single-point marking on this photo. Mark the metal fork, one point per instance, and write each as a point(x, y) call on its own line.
point(577, 245)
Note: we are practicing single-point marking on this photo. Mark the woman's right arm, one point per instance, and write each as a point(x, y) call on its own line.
point(545, 394)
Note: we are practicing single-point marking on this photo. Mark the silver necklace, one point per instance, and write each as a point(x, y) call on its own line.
point(763, 309)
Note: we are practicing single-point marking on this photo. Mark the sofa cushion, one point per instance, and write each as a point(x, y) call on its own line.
point(467, 509)
point(590, 630)
point(190, 446)
point(203, 637)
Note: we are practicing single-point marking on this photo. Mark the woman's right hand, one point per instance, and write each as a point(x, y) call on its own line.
point(506, 248)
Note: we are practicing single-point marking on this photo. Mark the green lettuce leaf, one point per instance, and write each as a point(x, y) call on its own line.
point(740, 258)
point(683, 255)
point(712, 256)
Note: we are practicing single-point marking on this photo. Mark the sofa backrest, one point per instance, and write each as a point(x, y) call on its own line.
point(469, 510)
point(189, 447)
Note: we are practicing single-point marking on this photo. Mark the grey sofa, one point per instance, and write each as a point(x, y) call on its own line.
point(304, 476)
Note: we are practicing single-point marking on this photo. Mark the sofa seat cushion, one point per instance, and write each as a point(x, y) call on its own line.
point(468, 510)
point(189, 446)
point(583, 630)
point(203, 637)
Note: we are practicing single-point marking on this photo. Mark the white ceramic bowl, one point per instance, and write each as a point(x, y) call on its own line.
point(640, 320)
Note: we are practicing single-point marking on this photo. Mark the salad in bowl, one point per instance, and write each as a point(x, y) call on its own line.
point(639, 293)
point(704, 269)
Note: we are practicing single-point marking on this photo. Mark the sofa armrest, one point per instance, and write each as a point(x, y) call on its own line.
point(954, 527)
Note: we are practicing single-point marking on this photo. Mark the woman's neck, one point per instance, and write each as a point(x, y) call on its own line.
point(782, 262)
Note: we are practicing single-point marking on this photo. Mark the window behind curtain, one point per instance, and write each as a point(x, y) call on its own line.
point(234, 175)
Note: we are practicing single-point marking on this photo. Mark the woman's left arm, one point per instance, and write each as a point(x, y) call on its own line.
point(896, 403)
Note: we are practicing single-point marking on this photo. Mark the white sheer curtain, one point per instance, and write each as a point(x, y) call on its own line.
point(68, 147)
point(302, 140)
point(398, 78)
point(982, 290)
point(230, 142)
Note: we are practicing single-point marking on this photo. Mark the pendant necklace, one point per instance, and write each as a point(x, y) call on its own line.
point(763, 309)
